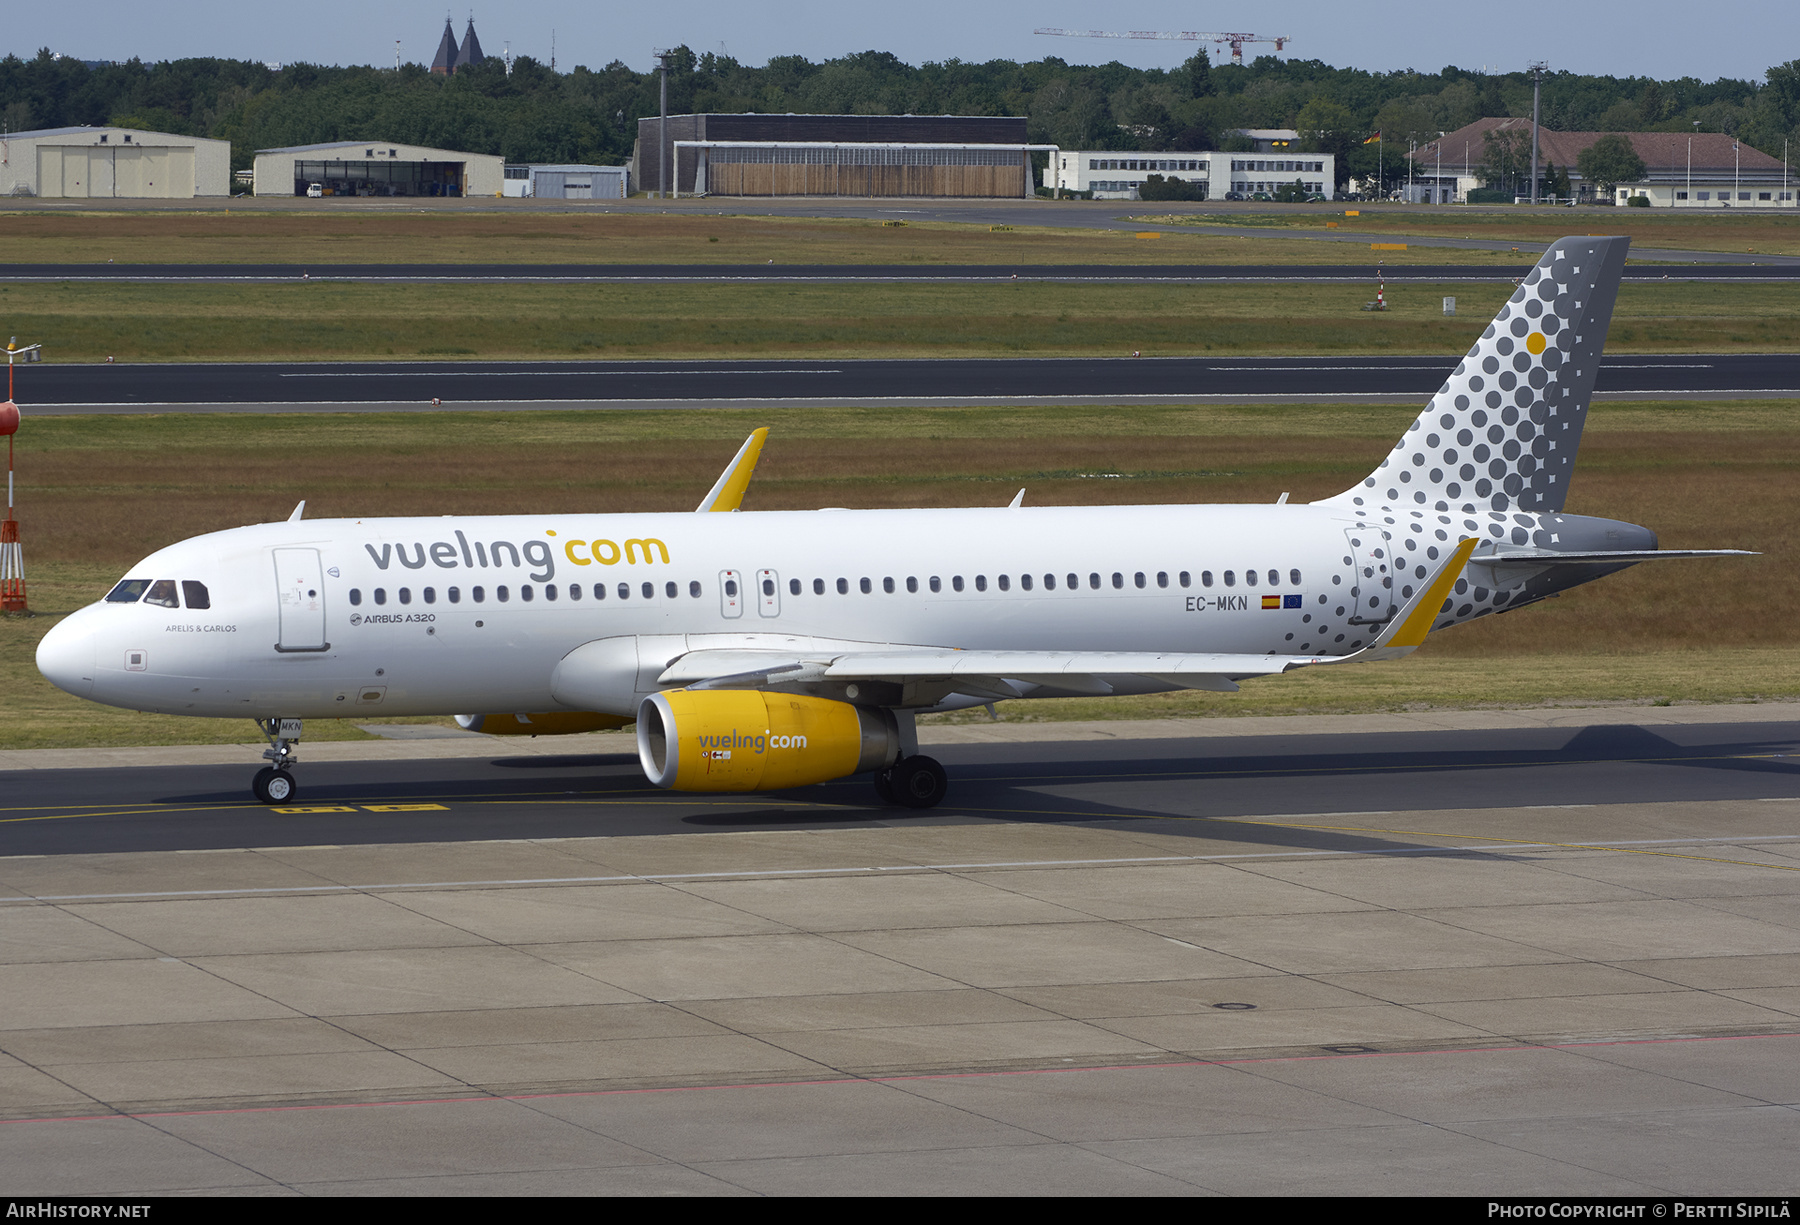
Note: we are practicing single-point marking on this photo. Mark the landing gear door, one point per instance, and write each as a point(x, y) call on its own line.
point(768, 593)
point(300, 601)
point(1372, 582)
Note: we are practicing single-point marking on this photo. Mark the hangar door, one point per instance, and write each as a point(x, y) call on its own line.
point(105, 172)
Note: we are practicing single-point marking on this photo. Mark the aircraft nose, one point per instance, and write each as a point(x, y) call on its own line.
point(66, 656)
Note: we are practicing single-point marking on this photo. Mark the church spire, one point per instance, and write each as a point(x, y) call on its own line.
point(445, 62)
point(470, 55)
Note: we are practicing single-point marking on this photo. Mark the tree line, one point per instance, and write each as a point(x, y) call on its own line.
point(590, 115)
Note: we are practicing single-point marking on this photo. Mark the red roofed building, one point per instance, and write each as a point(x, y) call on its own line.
point(1681, 169)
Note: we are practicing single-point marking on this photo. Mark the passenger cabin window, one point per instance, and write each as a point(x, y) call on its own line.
point(162, 594)
point(818, 586)
point(129, 591)
point(355, 596)
point(793, 586)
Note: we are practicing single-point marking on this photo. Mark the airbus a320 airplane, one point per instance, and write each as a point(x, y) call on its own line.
point(762, 651)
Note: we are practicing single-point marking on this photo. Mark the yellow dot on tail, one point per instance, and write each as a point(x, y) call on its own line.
point(1535, 342)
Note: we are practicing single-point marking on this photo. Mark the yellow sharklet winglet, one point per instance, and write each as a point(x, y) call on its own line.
point(1408, 629)
point(728, 492)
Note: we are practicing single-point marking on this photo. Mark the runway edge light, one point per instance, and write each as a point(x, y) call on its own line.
point(12, 561)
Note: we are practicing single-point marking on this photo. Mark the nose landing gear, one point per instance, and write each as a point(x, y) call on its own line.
point(273, 784)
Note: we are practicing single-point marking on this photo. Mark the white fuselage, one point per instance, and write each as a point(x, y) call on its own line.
point(332, 618)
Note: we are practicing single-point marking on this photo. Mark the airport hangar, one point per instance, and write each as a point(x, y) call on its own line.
point(834, 155)
point(377, 168)
point(113, 164)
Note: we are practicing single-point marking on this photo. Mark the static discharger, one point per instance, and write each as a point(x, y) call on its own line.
point(12, 559)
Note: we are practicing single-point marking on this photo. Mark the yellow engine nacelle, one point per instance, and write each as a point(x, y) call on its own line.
point(749, 740)
point(548, 723)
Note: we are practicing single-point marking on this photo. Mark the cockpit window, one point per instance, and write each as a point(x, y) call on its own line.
point(129, 591)
point(194, 594)
point(162, 592)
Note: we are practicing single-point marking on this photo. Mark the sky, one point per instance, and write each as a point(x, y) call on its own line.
point(1655, 38)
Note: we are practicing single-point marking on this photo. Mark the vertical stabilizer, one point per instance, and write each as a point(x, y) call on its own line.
point(1503, 431)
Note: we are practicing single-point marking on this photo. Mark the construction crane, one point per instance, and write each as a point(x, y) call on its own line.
point(1236, 41)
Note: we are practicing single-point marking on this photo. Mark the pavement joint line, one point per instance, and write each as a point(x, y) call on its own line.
point(476, 1095)
point(762, 873)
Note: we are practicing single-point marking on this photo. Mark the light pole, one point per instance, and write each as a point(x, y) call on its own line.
point(1537, 75)
point(662, 127)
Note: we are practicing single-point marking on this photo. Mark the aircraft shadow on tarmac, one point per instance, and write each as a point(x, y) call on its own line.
point(1192, 788)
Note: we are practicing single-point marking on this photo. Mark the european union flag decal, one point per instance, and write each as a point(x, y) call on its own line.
point(1290, 601)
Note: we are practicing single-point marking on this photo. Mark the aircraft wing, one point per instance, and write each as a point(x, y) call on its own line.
point(925, 670)
point(990, 674)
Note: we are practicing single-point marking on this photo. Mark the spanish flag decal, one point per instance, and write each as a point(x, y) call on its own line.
point(1271, 601)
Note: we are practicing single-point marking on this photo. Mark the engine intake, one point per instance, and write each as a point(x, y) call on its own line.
point(753, 740)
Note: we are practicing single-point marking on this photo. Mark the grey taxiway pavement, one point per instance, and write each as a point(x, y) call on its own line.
point(1535, 952)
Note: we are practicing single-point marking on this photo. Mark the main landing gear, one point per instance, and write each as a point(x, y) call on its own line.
point(913, 782)
point(273, 784)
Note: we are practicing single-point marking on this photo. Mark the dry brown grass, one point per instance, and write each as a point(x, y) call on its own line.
point(244, 235)
point(1739, 231)
point(318, 320)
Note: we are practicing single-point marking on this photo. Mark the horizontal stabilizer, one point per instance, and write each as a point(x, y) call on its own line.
point(1602, 557)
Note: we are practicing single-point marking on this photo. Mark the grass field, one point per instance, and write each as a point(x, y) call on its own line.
point(450, 236)
point(1746, 231)
point(98, 493)
point(314, 320)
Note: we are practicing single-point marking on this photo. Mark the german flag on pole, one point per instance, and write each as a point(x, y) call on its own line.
point(1372, 139)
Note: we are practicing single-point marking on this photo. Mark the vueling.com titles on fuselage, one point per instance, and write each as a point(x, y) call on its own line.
point(481, 555)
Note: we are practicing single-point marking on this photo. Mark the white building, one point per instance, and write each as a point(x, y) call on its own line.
point(113, 164)
point(1113, 175)
point(376, 168)
point(568, 182)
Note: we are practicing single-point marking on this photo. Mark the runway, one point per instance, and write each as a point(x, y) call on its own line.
point(57, 390)
point(1513, 953)
point(728, 274)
